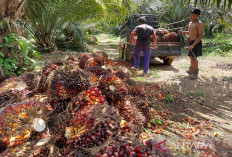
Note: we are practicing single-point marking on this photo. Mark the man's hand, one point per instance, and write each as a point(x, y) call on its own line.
point(133, 41)
point(155, 47)
point(191, 47)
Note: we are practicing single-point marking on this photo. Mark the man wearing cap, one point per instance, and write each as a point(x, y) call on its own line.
point(195, 32)
point(144, 32)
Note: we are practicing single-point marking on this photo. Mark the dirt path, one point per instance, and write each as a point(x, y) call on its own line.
point(207, 98)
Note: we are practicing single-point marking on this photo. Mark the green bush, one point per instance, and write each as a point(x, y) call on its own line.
point(221, 45)
point(71, 37)
point(17, 54)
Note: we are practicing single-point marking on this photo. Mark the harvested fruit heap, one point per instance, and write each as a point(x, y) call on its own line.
point(164, 36)
point(23, 121)
point(86, 106)
point(64, 85)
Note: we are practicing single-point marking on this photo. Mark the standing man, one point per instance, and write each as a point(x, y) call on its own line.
point(144, 33)
point(195, 32)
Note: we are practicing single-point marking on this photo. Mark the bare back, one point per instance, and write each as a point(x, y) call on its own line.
point(195, 30)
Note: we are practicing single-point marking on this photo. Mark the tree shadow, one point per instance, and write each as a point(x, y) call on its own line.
point(227, 66)
point(204, 102)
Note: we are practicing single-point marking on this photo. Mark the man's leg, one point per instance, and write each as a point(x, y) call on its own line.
point(146, 54)
point(194, 63)
point(190, 70)
point(136, 57)
point(195, 66)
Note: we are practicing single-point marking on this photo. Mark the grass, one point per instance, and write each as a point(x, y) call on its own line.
point(197, 93)
point(227, 79)
point(154, 73)
point(109, 38)
point(219, 45)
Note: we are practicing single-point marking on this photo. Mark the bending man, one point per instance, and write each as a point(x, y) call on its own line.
point(144, 33)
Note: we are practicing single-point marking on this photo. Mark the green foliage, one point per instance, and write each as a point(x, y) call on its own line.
point(169, 98)
point(71, 37)
point(116, 11)
point(48, 16)
point(209, 3)
point(221, 45)
point(19, 57)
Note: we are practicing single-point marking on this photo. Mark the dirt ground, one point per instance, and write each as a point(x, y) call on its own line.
point(207, 101)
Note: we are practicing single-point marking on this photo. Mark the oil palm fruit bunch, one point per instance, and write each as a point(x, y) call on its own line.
point(131, 115)
point(96, 124)
point(143, 107)
point(92, 96)
point(111, 86)
point(98, 70)
point(122, 149)
point(67, 84)
point(45, 73)
point(99, 58)
point(86, 60)
point(95, 137)
point(173, 36)
point(117, 95)
point(21, 120)
point(123, 73)
point(31, 80)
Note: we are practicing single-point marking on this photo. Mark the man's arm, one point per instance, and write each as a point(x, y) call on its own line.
point(184, 32)
point(133, 33)
point(154, 41)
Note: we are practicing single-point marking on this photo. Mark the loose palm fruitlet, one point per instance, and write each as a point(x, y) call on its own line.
point(16, 126)
point(65, 85)
point(98, 70)
point(122, 149)
point(136, 91)
point(46, 71)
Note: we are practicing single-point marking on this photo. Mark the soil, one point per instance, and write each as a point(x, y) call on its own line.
point(207, 101)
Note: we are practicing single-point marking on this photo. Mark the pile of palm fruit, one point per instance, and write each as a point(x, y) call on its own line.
point(85, 106)
point(163, 35)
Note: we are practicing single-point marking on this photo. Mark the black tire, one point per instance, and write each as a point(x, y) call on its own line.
point(168, 61)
